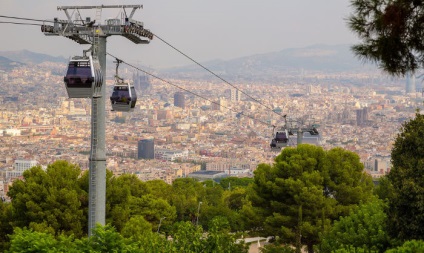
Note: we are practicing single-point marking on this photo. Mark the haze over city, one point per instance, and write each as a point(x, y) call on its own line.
point(206, 30)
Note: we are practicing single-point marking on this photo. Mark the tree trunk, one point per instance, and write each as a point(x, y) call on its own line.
point(310, 248)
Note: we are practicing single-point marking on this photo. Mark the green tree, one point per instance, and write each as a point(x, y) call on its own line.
point(50, 200)
point(159, 189)
point(384, 189)
point(234, 182)
point(391, 33)
point(406, 206)
point(152, 209)
point(235, 199)
point(221, 240)
point(186, 195)
point(187, 237)
point(413, 246)
point(240, 213)
point(306, 189)
point(212, 206)
point(364, 229)
point(252, 216)
point(137, 227)
point(103, 239)
point(128, 197)
point(5, 226)
point(26, 240)
point(272, 248)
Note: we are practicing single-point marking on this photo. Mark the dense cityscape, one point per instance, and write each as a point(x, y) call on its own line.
point(173, 133)
point(248, 127)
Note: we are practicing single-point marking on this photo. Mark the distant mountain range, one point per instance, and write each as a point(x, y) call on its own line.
point(7, 64)
point(28, 57)
point(323, 58)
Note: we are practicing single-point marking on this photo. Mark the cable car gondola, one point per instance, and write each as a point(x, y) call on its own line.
point(82, 76)
point(123, 97)
point(280, 140)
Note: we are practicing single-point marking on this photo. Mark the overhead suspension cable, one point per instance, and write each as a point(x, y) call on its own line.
point(17, 23)
point(219, 77)
point(179, 51)
point(29, 19)
point(222, 79)
point(186, 90)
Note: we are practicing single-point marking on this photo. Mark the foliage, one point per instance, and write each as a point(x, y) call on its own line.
point(252, 217)
point(384, 189)
point(235, 182)
point(54, 202)
point(49, 200)
point(406, 205)
point(306, 189)
point(159, 189)
point(127, 196)
point(107, 239)
point(415, 246)
point(104, 239)
point(391, 32)
point(350, 249)
point(272, 248)
point(137, 227)
point(5, 226)
point(152, 209)
point(187, 193)
point(364, 229)
point(220, 239)
point(235, 199)
point(186, 238)
point(212, 206)
point(25, 240)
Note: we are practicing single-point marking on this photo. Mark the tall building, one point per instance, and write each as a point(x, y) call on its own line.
point(359, 117)
point(365, 113)
point(235, 95)
point(146, 149)
point(410, 83)
point(219, 105)
point(142, 83)
point(179, 100)
point(362, 116)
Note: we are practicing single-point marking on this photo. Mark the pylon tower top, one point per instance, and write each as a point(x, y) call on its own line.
point(84, 30)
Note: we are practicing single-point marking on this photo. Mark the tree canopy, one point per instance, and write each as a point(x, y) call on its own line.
point(50, 200)
point(363, 229)
point(306, 189)
point(391, 33)
point(186, 237)
point(406, 203)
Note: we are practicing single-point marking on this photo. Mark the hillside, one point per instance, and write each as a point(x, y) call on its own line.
point(321, 58)
point(26, 57)
point(7, 64)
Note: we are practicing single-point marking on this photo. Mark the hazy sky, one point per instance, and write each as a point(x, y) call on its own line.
point(203, 29)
